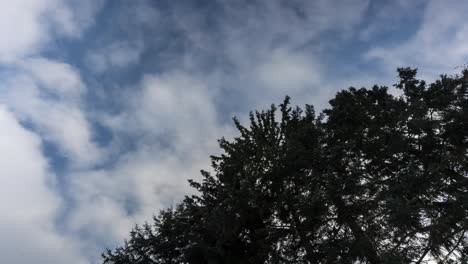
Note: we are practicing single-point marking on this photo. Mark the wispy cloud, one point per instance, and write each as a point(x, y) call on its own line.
point(437, 47)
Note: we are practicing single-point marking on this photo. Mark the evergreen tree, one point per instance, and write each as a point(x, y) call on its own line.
point(375, 178)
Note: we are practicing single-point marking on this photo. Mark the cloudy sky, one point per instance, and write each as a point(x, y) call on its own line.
point(108, 107)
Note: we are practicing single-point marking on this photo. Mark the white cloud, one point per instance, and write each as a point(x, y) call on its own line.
point(44, 92)
point(110, 202)
point(20, 25)
point(266, 49)
point(47, 94)
point(72, 18)
point(388, 16)
point(59, 78)
point(439, 45)
point(173, 122)
point(27, 201)
point(288, 73)
point(115, 56)
point(177, 104)
point(100, 198)
point(26, 26)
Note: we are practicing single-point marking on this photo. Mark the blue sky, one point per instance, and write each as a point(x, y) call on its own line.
point(108, 107)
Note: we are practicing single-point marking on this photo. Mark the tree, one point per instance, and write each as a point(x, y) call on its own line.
point(375, 178)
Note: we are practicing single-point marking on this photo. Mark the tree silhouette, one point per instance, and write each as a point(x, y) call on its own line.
point(375, 178)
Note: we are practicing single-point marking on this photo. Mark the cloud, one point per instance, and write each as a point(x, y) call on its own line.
point(72, 18)
point(47, 94)
point(20, 23)
point(174, 113)
point(172, 121)
point(175, 104)
point(252, 49)
point(439, 45)
point(387, 18)
point(58, 78)
point(288, 73)
point(29, 25)
point(118, 55)
point(160, 81)
point(108, 203)
point(40, 101)
point(28, 203)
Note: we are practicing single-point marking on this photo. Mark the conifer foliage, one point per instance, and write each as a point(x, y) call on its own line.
point(376, 178)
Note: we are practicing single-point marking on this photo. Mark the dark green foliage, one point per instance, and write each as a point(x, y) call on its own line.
point(374, 179)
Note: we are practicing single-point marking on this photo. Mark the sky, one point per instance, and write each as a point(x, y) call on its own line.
point(108, 107)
